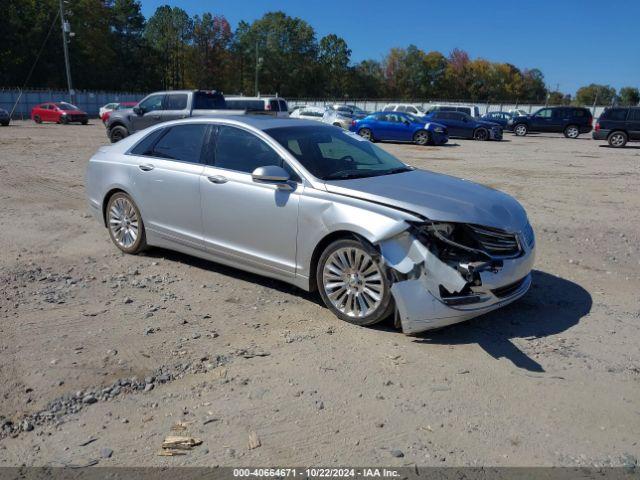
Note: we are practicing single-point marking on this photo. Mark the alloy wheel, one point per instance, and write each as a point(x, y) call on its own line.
point(353, 282)
point(480, 134)
point(573, 132)
point(123, 222)
point(617, 140)
point(520, 130)
point(421, 138)
point(365, 133)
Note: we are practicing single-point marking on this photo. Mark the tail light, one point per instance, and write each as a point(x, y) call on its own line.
point(597, 126)
point(353, 123)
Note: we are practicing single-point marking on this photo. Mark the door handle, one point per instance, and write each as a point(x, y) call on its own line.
point(146, 167)
point(217, 179)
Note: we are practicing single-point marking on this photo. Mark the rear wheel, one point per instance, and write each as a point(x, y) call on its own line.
point(125, 224)
point(37, 119)
point(366, 133)
point(421, 137)
point(520, 130)
point(617, 139)
point(352, 283)
point(85, 122)
point(572, 131)
point(117, 133)
point(481, 134)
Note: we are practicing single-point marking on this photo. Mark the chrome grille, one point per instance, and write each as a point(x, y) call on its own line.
point(496, 243)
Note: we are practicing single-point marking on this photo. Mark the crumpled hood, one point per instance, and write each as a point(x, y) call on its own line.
point(438, 197)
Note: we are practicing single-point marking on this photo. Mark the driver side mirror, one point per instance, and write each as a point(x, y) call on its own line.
point(138, 110)
point(272, 174)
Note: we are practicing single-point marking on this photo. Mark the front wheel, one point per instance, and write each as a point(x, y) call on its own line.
point(63, 120)
point(421, 137)
point(520, 130)
point(617, 139)
point(125, 224)
point(352, 283)
point(117, 133)
point(572, 131)
point(481, 134)
point(37, 119)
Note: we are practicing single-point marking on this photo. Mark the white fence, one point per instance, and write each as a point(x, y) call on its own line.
point(377, 105)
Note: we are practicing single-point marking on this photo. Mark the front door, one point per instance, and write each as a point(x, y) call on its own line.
point(248, 224)
point(167, 182)
point(150, 112)
point(541, 121)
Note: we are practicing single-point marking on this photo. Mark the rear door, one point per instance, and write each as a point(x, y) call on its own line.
point(167, 182)
point(633, 124)
point(175, 106)
point(560, 118)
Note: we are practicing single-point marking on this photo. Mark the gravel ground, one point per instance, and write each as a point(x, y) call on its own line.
point(102, 353)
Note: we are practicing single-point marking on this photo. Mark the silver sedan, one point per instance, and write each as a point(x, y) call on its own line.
point(318, 207)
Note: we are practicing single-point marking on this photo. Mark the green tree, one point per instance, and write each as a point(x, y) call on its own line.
point(169, 32)
point(333, 58)
point(629, 96)
point(210, 60)
point(601, 94)
point(287, 55)
point(558, 98)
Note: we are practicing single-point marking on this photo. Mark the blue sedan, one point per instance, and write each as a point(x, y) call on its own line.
point(400, 127)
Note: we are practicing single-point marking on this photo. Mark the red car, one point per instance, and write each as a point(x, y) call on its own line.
point(58, 112)
point(121, 106)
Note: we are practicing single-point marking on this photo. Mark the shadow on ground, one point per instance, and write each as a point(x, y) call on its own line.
point(551, 306)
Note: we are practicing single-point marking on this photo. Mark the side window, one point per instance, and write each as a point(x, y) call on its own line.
point(152, 103)
point(242, 151)
point(634, 114)
point(283, 106)
point(401, 108)
point(176, 101)
point(182, 142)
point(618, 114)
point(388, 108)
point(143, 147)
point(544, 113)
point(412, 110)
point(579, 112)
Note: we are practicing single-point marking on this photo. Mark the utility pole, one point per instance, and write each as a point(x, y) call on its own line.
point(257, 67)
point(65, 47)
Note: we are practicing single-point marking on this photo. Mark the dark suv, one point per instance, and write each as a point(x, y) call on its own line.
point(618, 126)
point(572, 121)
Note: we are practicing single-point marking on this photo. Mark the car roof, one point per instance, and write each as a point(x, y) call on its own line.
point(261, 122)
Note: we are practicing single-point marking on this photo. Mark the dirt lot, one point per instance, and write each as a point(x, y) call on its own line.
point(551, 380)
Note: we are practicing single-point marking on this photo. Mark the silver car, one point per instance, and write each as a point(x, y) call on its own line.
point(320, 208)
point(342, 115)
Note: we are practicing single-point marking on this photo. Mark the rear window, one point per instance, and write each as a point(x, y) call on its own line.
point(176, 101)
point(634, 114)
point(618, 114)
point(241, 104)
point(580, 112)
point(208, 101)
point(283, 106)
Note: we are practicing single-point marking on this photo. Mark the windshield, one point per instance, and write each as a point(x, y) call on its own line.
point(66, 106)
point(330, 153)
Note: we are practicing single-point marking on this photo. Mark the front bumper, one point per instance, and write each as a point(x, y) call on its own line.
point(495, 133)
point(422, 307)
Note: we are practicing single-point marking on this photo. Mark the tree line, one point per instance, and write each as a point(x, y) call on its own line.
point(114, 47)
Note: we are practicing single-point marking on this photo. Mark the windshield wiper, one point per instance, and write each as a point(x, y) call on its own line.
point(396, 170)
point(347, 175)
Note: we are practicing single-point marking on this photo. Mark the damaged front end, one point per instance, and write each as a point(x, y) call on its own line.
point(444, 273)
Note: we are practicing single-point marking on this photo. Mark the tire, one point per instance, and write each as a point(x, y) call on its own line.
point(5, 124)
point(617, 139)
point(520, 129)
point(366, 134)
point(63, 120)
point(349, 278)
point(37, 119)
point(117, 133)
point(571, 131)
point(421, 137)
point(481, 134)
point(125, 224)
point(85, 122)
